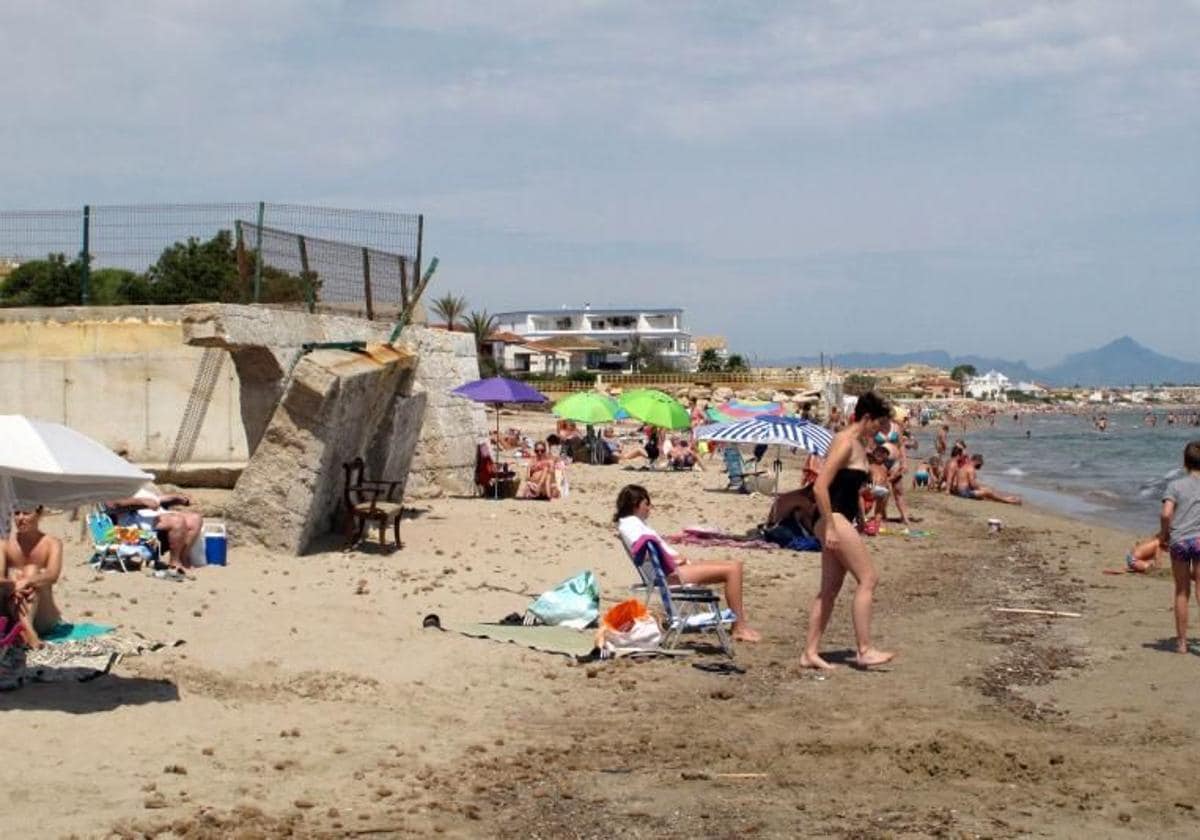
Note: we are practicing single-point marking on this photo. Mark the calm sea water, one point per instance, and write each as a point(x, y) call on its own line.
point(1116, 477)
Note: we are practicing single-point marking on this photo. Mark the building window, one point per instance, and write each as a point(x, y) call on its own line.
point(563, 324)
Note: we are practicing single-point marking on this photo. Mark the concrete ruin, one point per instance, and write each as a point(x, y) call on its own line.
point(306, 413)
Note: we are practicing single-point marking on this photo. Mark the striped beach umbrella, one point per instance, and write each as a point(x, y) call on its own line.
point(773, 431)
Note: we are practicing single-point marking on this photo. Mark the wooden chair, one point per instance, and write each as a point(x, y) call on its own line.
point(370, 500)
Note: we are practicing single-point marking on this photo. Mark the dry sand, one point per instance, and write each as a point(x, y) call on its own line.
point(308, 701)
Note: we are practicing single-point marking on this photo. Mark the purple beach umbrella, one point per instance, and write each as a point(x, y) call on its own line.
point(496, 391)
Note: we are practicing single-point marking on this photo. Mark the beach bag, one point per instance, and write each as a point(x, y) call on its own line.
point(628, 626)
point(573, 603)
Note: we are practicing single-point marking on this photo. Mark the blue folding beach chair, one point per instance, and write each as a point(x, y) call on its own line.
point(685, 606)
point(736, 471)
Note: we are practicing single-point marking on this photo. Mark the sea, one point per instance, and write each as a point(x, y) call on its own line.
point(1061, 462)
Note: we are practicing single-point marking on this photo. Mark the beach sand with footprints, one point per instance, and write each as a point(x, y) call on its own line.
point(308, 700)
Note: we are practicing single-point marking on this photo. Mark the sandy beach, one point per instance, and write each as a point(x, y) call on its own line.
point(307, 700)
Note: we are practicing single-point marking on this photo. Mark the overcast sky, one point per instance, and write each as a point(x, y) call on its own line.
point(1008, 178)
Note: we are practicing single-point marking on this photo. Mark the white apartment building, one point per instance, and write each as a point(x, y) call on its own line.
point(993, 385)
point(614, 330)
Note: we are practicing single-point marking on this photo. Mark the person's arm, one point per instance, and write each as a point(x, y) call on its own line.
point(839, 456)
point(49, 574)
point(1164, 523)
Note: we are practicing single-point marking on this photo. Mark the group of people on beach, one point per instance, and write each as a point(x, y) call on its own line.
point(32, 560)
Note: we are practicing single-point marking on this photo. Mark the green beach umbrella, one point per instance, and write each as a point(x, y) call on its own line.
point(656, 408)
point(588, 407)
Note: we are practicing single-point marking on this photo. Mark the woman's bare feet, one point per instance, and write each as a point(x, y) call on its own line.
point(1181, 646)
point(813, 660)
point(745, 634)
point(871, 657)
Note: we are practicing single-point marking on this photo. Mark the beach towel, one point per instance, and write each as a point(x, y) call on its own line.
point(701, 536)
point(65, 631)
point(85, 659)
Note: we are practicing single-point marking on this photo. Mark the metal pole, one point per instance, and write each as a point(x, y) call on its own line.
point(367, 283)
point(85, 257)
point(403, 284)
point(258, 251)
point(420, 240)
point(243, 265)
point(305, 276)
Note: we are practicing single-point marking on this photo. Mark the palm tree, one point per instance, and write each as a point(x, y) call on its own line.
point(451, 308)
point(482, 324)
point(710, 360)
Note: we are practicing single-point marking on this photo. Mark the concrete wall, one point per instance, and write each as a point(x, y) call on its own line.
point(119, 374)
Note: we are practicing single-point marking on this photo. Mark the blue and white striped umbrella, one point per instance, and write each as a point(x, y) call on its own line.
point(775, 431)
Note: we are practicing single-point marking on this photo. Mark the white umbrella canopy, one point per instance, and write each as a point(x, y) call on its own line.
point(45, 463)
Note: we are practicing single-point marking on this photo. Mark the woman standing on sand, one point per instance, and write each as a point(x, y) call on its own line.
point(842, 549)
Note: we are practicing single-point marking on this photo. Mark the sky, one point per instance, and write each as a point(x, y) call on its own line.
point(1015, 179)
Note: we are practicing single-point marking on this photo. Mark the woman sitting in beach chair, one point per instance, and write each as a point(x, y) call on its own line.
point(543, 478)
point(633, 508)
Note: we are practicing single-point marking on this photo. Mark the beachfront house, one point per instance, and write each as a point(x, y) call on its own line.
point(992, 385)
point(517, 354)
point(603, 338)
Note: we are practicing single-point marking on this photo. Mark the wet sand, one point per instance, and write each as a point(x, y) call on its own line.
point(308, 700)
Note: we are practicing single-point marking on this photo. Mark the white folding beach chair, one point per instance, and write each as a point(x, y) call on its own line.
point(685, 606)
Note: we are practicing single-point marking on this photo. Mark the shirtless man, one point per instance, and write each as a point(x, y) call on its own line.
point(32, 565)
point(966, 484)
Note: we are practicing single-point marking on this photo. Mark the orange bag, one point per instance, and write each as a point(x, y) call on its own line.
point(623, 615)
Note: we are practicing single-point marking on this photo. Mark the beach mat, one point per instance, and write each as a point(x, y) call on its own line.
point(65, 631)
point(560, 640)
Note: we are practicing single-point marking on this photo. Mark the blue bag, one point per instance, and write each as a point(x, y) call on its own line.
point(573, 603)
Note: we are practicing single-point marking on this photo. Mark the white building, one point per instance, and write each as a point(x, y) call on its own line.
point(993, 385)
point(1031, 389)
point(613, 330)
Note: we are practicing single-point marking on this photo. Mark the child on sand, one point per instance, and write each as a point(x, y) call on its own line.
point(1179, 533)
point(1143, 557)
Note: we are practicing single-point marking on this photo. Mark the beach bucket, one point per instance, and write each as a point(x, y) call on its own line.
point(215, 545)
point(995, 525)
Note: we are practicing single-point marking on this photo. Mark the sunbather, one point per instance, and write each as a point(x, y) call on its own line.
point(32, 564)
point(539, 482)
point(633, 508)
point(181, 527)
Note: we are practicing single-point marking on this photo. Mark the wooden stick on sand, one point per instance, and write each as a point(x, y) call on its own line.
point(1024, 611)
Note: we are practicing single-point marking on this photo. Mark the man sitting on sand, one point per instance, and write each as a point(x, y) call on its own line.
point(966, 484)
point(32, 565)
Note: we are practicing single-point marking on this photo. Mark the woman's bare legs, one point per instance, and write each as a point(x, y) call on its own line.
point(729, 573)
point(850, 556)
point(1182, 572)
point(832, 575)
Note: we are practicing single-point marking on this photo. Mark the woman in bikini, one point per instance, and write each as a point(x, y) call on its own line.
point(842, 549)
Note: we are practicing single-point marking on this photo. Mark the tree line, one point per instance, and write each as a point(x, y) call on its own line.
point(194, 271)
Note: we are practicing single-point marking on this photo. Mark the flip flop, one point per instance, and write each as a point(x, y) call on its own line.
point(718, 668)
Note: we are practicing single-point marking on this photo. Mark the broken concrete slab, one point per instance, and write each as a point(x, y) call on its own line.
point(336, 401)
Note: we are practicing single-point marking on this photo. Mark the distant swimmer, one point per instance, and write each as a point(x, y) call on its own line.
point(1102, 423)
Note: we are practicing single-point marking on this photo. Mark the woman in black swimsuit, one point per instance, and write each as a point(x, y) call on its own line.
point(837, 491)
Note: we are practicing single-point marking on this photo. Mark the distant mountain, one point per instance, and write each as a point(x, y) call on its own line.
point(1016, 371)
point(1121, 362)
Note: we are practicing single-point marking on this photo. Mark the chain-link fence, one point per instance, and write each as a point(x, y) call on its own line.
point(135, 238)
point(332, 273)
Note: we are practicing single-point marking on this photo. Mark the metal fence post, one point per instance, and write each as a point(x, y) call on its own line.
point(420, 240)
point(367, 283)
point(85, 257)
point(309, 292)
point(258, 260)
